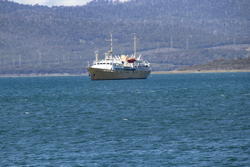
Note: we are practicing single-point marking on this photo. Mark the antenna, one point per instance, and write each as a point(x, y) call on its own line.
point(39, 58)
point(13, 62)
point(171, 42)
point(187, 43)
point(1, 62)
point(19, 60)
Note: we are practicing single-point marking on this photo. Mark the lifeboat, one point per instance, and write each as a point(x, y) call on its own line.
point(131, 60)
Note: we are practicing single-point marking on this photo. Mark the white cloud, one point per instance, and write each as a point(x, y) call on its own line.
point(56, 2)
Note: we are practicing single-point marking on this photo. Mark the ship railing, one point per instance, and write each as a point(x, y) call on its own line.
point(146, 62)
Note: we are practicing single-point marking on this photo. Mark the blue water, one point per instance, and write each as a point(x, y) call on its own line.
point(167, 120)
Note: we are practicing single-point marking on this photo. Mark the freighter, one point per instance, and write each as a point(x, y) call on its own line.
point(119, 66)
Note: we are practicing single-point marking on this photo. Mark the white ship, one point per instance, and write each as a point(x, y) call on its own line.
point(119, 66)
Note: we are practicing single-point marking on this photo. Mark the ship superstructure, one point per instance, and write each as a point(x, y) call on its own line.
point(119, 66)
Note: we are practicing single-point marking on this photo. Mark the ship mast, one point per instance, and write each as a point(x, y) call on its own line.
point(96, 56)
point(110, 52)
point(135, 39)
point(111, 43)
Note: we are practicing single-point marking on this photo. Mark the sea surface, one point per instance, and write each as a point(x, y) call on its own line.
point(171, 120)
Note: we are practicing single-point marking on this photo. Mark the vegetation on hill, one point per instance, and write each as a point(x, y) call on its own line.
point(172, 34)
point(222, 64)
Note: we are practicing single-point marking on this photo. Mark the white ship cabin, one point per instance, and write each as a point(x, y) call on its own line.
point(120, 62)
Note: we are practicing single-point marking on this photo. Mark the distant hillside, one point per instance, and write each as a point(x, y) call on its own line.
point(222, 64)
point(171, 59)
point(173, 34)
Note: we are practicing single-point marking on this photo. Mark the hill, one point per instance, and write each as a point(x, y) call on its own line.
point(172, 59)
point(222, 64)
point(173, 34)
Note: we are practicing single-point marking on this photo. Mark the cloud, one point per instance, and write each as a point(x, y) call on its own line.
point(57, 2)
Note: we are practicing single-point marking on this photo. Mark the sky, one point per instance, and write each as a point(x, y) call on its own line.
point(55, 2)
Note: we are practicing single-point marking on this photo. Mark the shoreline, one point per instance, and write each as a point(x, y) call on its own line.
point(197, 72)
point(41, 75)
point(154, 72)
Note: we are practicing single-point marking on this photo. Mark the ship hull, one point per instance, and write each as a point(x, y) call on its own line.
point(103, 74)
